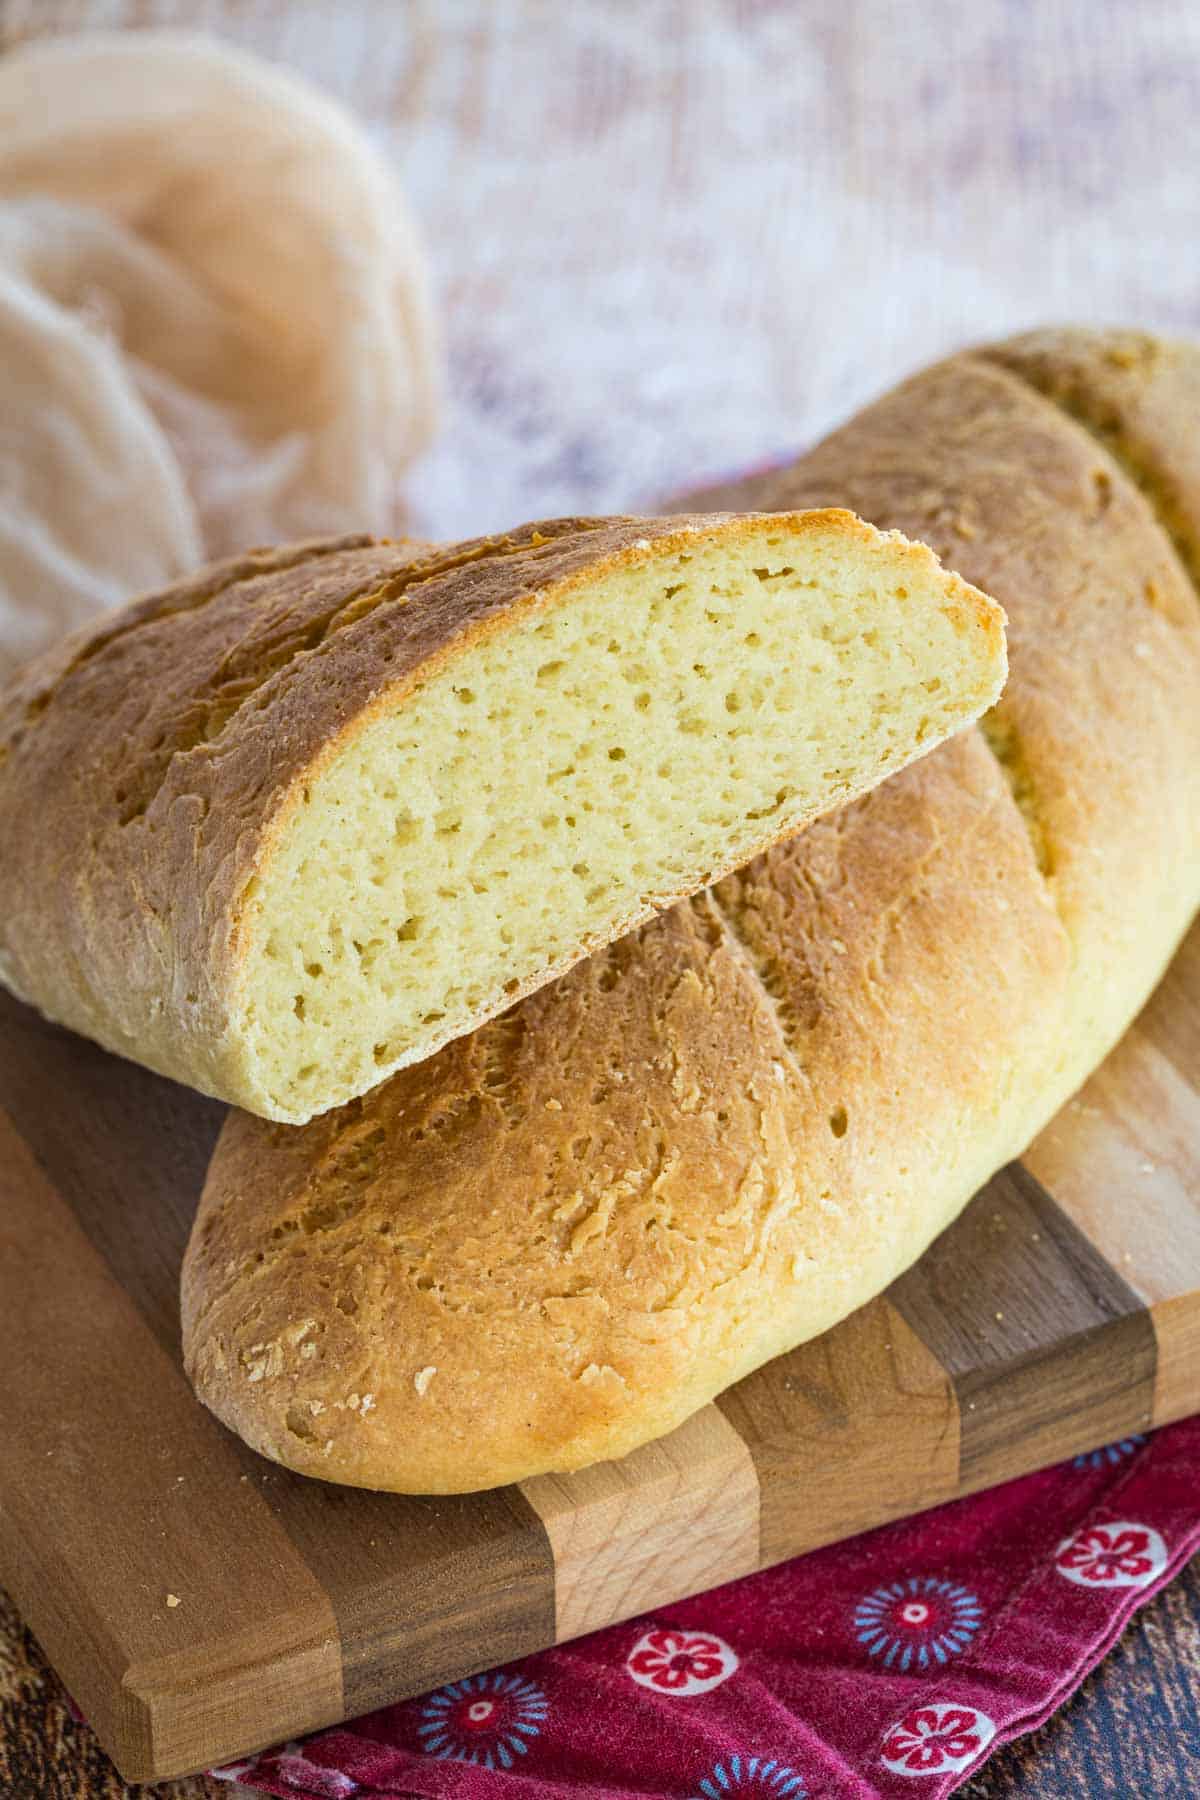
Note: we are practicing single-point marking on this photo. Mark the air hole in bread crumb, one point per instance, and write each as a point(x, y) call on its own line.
point(616, 754)
point(298, 1425)
point(298, 1006)
point(348, 1304)
point(313, 970)
point(381, 1052)
point(838, 1121)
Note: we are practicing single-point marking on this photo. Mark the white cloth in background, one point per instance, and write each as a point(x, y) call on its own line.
point(215, 328)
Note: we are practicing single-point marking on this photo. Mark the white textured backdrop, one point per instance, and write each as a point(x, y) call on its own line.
point(676, 236)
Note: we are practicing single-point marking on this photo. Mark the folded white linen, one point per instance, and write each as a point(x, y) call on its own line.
point(215, 328)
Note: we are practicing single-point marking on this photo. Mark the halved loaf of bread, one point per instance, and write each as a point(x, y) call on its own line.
point(296, 824)
point(566, 1232)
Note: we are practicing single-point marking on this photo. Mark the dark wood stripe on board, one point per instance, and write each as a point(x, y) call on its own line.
point(1049, 1348)
point(423, 1590)
point(126, 1150)
point(858, 1426)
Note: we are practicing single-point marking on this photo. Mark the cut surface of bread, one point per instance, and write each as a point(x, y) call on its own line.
point(376, 794)
point(567, 1231)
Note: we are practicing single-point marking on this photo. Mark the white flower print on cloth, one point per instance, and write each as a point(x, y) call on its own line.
point(1121, 1554)
point(916, 1622)
point(289, 1767)
point(681, 1662)
point(756, 1775)
point(489, 1720)
point(942, 1738)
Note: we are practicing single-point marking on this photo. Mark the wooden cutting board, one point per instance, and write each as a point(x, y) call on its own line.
point(200, 1603)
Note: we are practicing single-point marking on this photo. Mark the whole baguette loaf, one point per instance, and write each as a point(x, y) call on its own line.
point(293, 825)
point(563, 1234)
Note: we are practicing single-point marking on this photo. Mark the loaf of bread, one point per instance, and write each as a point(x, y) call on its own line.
point(298, 823)
point(714, 1139)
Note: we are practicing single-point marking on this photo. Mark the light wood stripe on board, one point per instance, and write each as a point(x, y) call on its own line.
point(673, 1518)
point(1049, 1349)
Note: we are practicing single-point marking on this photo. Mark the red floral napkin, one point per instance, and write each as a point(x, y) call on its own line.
point(887, 1667)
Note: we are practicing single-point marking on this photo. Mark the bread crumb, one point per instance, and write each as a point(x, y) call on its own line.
point(368, 1401)
point(262, 1361)
point(1148, 1168)
point(598, 1372)
point(554, 1106)
point(999, 1316)
point(837, 946)
point(422, 1379)
point(172, 1599)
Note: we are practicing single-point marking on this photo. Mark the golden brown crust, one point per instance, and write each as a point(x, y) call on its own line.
point(1098, 723)
point(564, 1233)
point(576, 1216)
point(1140, 395)
point(146, 763)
